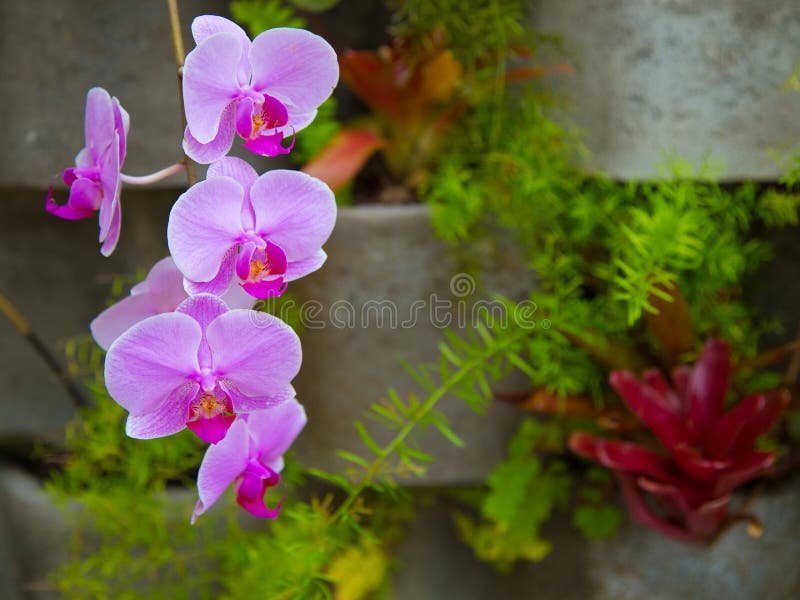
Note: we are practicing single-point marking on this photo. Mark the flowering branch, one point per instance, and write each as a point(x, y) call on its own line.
point(180, 54)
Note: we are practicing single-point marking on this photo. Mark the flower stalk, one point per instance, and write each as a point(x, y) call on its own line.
point(180, 55)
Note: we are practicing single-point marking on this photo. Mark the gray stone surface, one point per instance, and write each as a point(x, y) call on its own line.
point(38, 531)
point(389, 255)
point(434, 565)
point(52, 271)
point(634, 565)
point(693, 76)
point(34, 401)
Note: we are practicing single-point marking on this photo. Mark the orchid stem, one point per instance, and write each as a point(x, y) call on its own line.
point(180, 55)
point(23, 327)
point(152, 177)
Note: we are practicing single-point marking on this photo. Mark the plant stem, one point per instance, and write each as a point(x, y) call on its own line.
point(448, 384)
point(180, 55)
point(21, 324)
point(152, 177)
point(770, 356)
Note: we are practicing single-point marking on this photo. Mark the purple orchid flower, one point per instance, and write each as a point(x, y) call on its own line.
point(95, 183)
point(161, 291)
point(260, 90)
point(250, 457)
point(199, 366)
point(265, 230)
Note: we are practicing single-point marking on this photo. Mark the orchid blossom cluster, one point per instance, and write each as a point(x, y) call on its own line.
point(185, 348)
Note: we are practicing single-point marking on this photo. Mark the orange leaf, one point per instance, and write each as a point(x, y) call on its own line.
point(523, 73)
point(672, 326)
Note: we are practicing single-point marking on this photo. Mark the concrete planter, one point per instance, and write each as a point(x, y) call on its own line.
point(696, 77)
point(434, 565)
point(378, 294)
point(700, 77)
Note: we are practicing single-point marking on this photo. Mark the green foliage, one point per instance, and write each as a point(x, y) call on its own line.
point(523, 491)
point(260, 15)
point(477, 30)
point(314, 137)
point(593, 516)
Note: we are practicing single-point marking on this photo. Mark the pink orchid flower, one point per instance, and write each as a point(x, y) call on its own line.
point(265, 230)
point(250, 457)
point(684, 488)
point(161, 291)
point(95, 183)
point(260, 90)
point(199, 366)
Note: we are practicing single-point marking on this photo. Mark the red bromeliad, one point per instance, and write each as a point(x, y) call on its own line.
point(684, 491)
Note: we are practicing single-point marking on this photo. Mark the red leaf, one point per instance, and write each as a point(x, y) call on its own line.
point(642, 513)
point(344, 156)
point(737, 431)
point(707, 386)
point(620, 456)
point(651, 407)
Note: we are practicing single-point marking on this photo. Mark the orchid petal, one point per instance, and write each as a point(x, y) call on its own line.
point(110, 186)
point(244, 117)
point(265, 288)
point(259, 353)
point(98, 122)
point(296, 65)
point(250, 492)
point(112, 236)
point(152, 359)
point(164, 285)
point(167, 419)
point(294, 210)
point(297, 119)
point(274, 430)
point(301, 268)
point(268, 145)
point(203, 308)
point(242, 172)
point(210, 83)
point(84, 199)
point(243, 403)
point(122, 124)
point(236, 297)
point(218, 146)
point(211, 430)
point(221, 282)
point(203, 226)
point(222, 464)
point(117, 319)
point(235, 168)
point(205, 26)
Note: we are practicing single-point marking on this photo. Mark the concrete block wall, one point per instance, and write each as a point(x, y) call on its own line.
point(694, 76)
